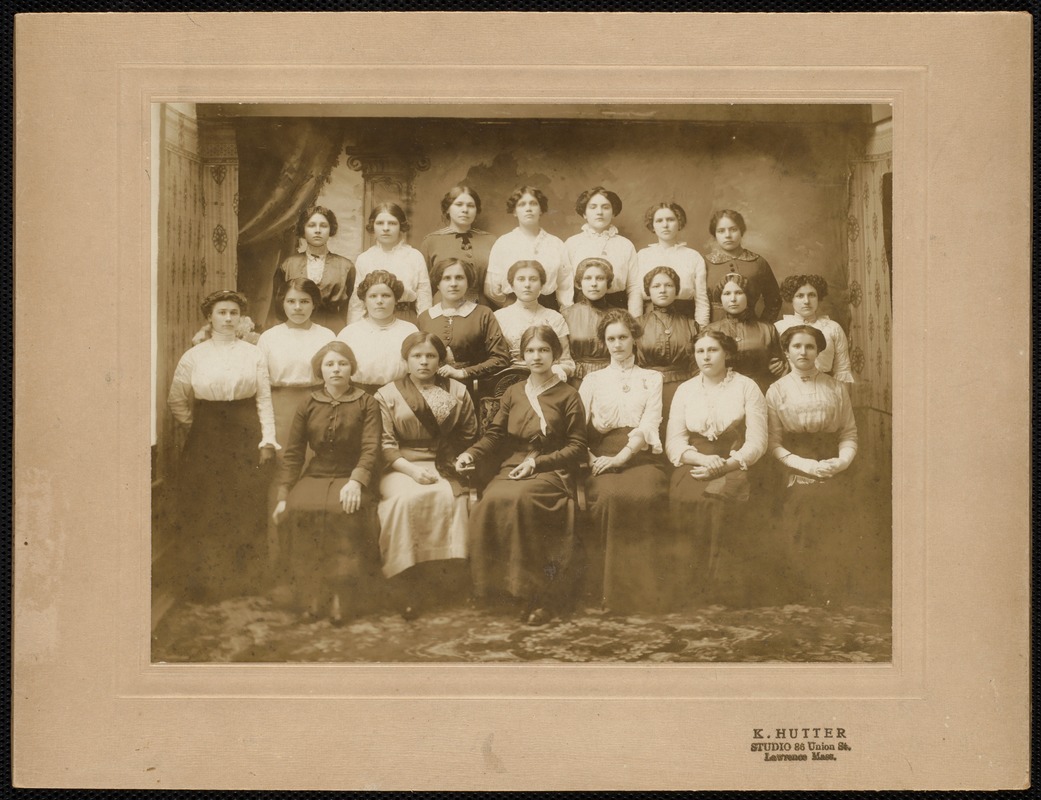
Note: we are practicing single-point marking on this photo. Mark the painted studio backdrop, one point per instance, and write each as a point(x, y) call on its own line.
point(814, 183)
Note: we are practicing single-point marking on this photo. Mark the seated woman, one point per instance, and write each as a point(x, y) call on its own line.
point(666, 220)
point(427, 421)
point(520, 541)
point(459, 240)
point(376, 338)
point(729, 255)
point(805, 292)
point(328, 506)
point(758, 349)
point(717, 432)
point(814, 436)
point(592, 277)
point(221, 393)
point(526, 279)
point(474, 343)
point(628, 488)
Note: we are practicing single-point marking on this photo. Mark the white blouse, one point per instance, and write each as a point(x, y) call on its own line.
point(699, 407)
point(834, 359)
point(818, 404)
point(289, 351)
point(514, 319)
point(689, 265)
point(222, 369)
point(377, 350)
point(545, 248)
point(609, 405)
point(616, 249)
point(406, 263)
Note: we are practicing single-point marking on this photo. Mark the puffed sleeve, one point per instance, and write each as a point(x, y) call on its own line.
point(650, 420)
point(388, 437)
point(677, 437)
point(180, 398)
point(575, 447)
point(371, 429)
point(770, 291)
point(840, 367)
point(755, 425)
point(265, 410)
point(295, 451)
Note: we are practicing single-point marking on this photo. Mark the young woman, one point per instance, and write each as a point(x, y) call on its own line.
point(592, 277)
point(459, 240)
point(805, 292)
point(527, 279)
point(519, 538)
point(328, 506)
point(428, 420)
point(759, 351)
point(666, 220)
point(628, 489)
point(474, 343)
point(221, 392)
point(393, 254)
point(599, 238)
point(333, 274)
point(728, 256)
point(376, 338)
point(529, 242)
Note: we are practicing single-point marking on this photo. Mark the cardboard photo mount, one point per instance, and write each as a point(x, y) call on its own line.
point(951, 711)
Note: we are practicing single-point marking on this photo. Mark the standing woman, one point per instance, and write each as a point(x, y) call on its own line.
point(728, 255)
point(519, 537)
point(592, 277)
point(666, 220)
point(222, 394)
point(376, 338)
point(814, 436)
point(599, 238)
point(805, 292)
point(393, 254)
point(759, 351)
point(459, 239)
point(717, 432)
point(327, 505)
point(529, 242)
point(333, 273)
point(474, 344)
point(428, 420)
point(527, 279)
point(628, 489)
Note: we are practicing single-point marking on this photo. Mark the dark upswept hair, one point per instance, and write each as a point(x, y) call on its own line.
point(589, 194)
point(622, 317)
point(335, 346)
point(306, 285)
point(727, 212)
point(793, 283)
point(517, 266)
point(746, 285)
point(668, 272)
point(438, 272)
point(221, 295)
point(456, 191)
point(375, 278)
point(393, 209)
point(818, 337)
point(675, 208)
point(423, 337)
point(309, 212)
point(545, 334)
point(600, 263)
point(726, 341)
point(520, 191)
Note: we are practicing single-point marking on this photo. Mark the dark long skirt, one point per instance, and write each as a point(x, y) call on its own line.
point(521, 539)
point(627, 511)
point(221, 508)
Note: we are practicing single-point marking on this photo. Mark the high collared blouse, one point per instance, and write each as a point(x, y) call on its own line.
point(834, 359)
point(545, 248)
point(472, 335)
point(759, 273)
point(667, 343)
point(377, 349)
point(621, 254)
point(514, 319)
point(624, 397)
point(405, 262)
point(587, 350)
point(689, 265)
point(815, 403)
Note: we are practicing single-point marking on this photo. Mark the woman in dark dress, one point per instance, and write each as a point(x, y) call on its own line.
point(460, 240)
point(520, 539)
point(592, 277)
point(329, 506)
point(728, 255)
point(758, 348)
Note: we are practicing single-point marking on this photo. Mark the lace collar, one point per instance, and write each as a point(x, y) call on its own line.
point(609, 233)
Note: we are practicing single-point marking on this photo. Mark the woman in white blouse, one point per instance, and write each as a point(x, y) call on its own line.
point(666, 220)
point(376, 338)
point(222, 394)
point(527, 279)
point(387, 221)
point(529, 242)
point(599, 238)
point(717, 431)
point(628, 486)
point(805, 292)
